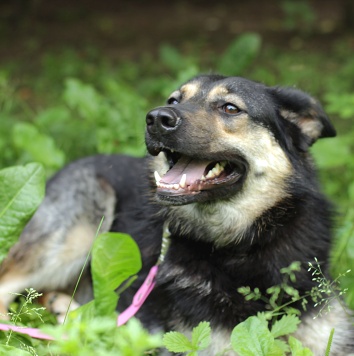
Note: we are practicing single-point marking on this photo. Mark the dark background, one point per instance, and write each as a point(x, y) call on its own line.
point(127, 29)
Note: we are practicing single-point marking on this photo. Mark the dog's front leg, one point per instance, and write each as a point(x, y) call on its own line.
point(54, 246)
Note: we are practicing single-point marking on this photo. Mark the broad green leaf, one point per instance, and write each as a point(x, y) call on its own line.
point(21, 192)
point(297, 349)
point(284, 326)
point(37, 146)
point(115, 258)
point(341, 104)
point(201, 335)
point(332, 153)
point(351, 192)
point(240, 54)
point(83, 97)
point(342, 255)
point(177, 342)
point(85, 312)
point(253, 338)
point(13, 351)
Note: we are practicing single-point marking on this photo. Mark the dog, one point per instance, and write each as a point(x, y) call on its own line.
point(229, 171)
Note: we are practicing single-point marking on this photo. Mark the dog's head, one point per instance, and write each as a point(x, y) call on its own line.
point(219, 137)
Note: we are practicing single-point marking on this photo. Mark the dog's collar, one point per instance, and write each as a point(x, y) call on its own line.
point(138, 300)
point(149, 283)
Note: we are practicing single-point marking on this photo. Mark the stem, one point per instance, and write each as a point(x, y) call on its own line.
point(82, 271)
point(329, 344)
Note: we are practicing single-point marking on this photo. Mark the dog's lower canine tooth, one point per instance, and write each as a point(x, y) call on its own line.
point(183, 180)
point(157, 177)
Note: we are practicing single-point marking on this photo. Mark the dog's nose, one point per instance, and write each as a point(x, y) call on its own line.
point(162, 121)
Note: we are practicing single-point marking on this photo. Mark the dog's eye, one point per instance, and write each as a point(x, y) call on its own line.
point(230, 109)
point(172, 101)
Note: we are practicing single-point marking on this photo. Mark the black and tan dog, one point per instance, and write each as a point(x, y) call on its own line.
point(229, 170)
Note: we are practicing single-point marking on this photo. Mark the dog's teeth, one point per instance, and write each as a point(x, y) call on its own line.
point(176, 186)
point(203, 177)
point(157, 177)
point(216, 169)
point(213, 173)
point(210, 174)
point(183, 180)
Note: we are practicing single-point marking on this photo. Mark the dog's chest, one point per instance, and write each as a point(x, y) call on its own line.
point(195, 290)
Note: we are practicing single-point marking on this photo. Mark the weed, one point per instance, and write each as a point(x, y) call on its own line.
point(24, 310)
point(326, 290)
point(178, 342)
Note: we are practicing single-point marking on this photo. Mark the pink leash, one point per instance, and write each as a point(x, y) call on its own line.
point(138, 300)
point(139, 297)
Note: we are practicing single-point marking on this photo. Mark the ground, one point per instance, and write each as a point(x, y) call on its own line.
point(126, 29)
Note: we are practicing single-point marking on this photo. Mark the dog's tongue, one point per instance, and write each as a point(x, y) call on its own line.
point(192, 168)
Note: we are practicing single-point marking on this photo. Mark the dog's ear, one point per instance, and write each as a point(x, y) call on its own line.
point(305, 112)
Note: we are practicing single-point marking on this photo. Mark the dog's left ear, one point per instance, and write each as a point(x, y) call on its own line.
point(305, 112)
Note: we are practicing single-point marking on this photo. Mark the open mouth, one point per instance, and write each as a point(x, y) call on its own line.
point(188, 176)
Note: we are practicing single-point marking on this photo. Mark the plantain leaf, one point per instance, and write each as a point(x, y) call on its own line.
point(115, 258)
point(21, 191)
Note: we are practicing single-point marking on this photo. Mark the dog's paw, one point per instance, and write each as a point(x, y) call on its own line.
point(3, 312)
point(58, 304)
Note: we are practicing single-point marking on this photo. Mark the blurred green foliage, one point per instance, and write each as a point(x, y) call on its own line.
point(72, 103)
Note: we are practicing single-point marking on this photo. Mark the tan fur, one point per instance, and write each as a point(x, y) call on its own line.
point(221, 93)
point(310, 127)
point(3, 312)
point(78, 242)
point(189, 90)
point(217, 91)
